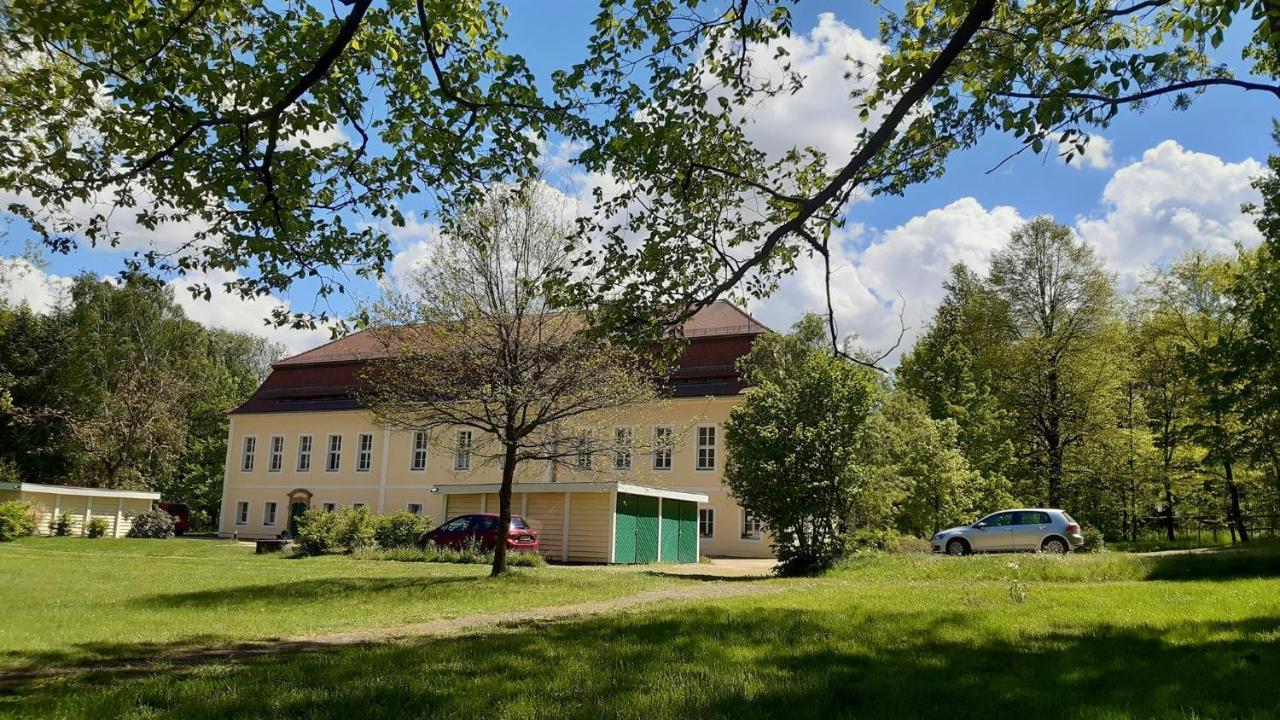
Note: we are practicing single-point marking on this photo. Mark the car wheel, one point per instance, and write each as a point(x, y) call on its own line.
point(1054, 546)
point(957, 547)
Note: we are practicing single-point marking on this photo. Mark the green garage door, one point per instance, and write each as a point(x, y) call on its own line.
point(624, 533)
point(688, 552)
point(646, 529)
point(670, 531)
point(636, 529)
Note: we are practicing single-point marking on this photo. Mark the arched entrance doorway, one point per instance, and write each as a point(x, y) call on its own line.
point(299, 501)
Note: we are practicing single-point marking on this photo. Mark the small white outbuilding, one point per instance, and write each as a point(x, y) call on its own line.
point(80, 504)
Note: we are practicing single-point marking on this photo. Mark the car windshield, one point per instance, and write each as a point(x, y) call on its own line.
point(518, 523)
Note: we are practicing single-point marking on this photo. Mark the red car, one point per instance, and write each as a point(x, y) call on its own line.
point(483, 527)
point(181, 516)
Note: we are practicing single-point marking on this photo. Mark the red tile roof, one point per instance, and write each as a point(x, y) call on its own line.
point(720, 318)
point(323, 378)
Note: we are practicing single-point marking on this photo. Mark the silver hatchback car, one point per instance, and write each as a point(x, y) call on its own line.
point(1022, 530)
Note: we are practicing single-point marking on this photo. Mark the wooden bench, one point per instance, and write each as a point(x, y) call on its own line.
point(271, 546)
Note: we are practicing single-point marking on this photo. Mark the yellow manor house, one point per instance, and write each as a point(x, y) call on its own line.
point(302, 441)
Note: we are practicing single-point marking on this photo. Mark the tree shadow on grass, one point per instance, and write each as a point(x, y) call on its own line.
point(299, 591)
point(270, 597)
point(1225, 564)
point(724, 662)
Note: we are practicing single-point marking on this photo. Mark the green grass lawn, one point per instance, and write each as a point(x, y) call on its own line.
point(72, 600)
point(1110, 636)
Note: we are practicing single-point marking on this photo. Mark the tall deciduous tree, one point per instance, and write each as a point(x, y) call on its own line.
point(1199, 309)
point(918, 460)
point(954, 368)
point(1060, 305)
point(478, 344)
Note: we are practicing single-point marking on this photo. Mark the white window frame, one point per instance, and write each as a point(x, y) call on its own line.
point(698, 447)
point(623, 460)
point(355, 505)
point(418, 451)
point(710, 521)
point(582, 459)
point(742, 521)
point(242, 512)
point(310, 445)
point(248, 453)
point(331, 452)
point(329, 507)
point(364, 455)
point(414, 509)
point(663, 448)
point(275, 458)
point(462, 452)
point(269, 512)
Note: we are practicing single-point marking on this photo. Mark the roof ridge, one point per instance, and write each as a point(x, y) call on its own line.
point(319, 347)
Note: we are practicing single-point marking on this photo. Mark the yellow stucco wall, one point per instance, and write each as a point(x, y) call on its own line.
point(390, 483)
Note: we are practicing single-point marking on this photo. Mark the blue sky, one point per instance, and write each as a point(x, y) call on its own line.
point(1156, 185)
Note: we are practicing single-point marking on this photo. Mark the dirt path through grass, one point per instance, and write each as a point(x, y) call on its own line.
point(712, 590)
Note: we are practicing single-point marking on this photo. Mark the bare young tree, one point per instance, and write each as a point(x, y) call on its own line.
point(1060, 302)
point(476, 342)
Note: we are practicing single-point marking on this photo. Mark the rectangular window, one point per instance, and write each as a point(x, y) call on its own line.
point(357, 505)
point(662, 448)
point(333, 460)
point(276, 462)
point(269, 514)
point(414, 508)
point(751, 526)
point(706, 448)
point(329, 507)
point(250, 449)
point(364, 452)
point(304, 453)
point(462, 451)
point(622, 442)
point(584, 452)
point(706, 523)
point(242, 513)
point(419, 461)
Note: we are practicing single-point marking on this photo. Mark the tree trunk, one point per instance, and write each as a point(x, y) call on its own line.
point(504, 511)
point(1168, 506)
point(1237, 519)
point(1053, 443)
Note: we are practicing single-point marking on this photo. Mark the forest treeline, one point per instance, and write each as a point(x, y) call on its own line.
point(1157, 408)
point(115, 387)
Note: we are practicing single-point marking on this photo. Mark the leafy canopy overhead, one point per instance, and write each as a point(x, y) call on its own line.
point(222, 114)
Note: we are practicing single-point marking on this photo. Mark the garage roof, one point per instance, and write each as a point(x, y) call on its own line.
point(83, 491)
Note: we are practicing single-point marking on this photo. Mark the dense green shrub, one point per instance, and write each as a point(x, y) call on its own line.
point(873, 540)
point(60, 526)
point(16, 520)
point(355, 529)
point(1093, 540)
point(400, 529)
point(912, 544)
point(96, 528)
point(434, 553)
point(317, 532)
point(152, 524)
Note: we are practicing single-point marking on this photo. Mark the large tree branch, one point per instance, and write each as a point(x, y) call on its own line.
point(1145, 94)
point(876, 142)
point(315, 74)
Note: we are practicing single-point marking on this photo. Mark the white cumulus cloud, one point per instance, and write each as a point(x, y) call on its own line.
point(1169, 202)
